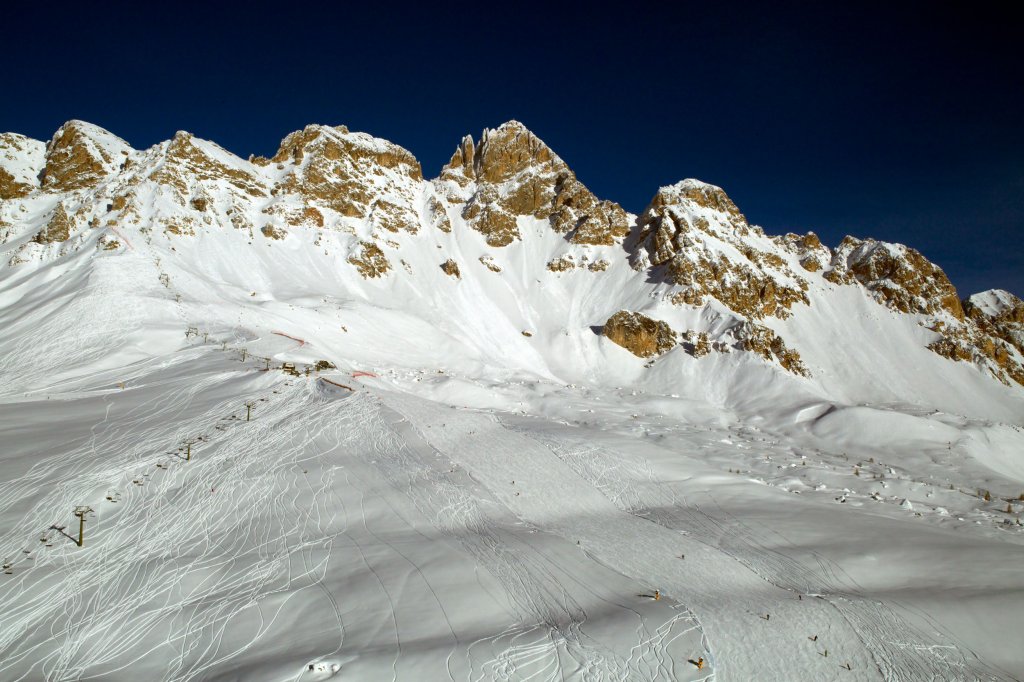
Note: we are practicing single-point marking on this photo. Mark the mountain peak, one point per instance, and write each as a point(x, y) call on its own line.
point(349, 172)
point(511, 172)
point(699, 193)
point(501, 154)
point(80, 155)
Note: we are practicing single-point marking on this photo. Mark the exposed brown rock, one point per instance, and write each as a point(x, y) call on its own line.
point(598, 265)
point(370, 261)
point(759, 339)
point(393, 217)
point(25, 153)
point(178, 227)
point(639, 334)
point(563, 264)
point(186, 162)
point(697, 344)
point(271, 232)
point(497, 226)
point(813, 255)
point(897, 275)
point(313, 216)
point(511, 172)
point(991, 336)
point(437, 216)
point(11, 188)
point(76, 160)
point(451, 268)
point(57, 229)
point(344, 171)
point(686, 245)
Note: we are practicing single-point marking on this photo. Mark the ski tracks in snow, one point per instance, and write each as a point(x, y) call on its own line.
point(897, 650)
point(546, 590)
point(178, 566)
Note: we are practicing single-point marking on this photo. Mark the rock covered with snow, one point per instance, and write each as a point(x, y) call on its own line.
point(509, 173)
point(80, 155)
point(694, 237)
point(21, 162)
point(896, 275)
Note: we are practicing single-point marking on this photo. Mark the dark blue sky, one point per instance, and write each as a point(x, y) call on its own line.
point(904, 125)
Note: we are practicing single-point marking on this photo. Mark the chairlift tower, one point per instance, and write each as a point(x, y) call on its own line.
point(80, 512)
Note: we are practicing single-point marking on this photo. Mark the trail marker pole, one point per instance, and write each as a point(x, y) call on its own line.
point(188, 448)
point(248, 409)
point(244, 352)
point(80, 512)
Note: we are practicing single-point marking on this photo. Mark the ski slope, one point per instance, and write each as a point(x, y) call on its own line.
point(454, 500)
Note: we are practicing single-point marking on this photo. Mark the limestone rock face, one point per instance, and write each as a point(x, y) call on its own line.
point(759, 339)
point(897, 275)
point(21, 161)
point(693, 236)
point(58, 228)
point(81, 155)
point(189, 163)
point(451, 268)
point(370, 261)
point(814, 256)
point(992, 335)
point(639, 334)
point(353, 174)
point(510, 172)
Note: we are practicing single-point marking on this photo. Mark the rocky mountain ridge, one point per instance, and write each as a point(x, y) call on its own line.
point(501, 202)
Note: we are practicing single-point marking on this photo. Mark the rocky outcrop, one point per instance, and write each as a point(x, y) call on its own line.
point(21, 159)
point(58, 228)
point(813, 255)
point(759, 339)
point(639, 334)
point(896, 275)
point(693, 237)
point(991, 335)
point(510, 172)
point(81, 155)
point(189, 164)
point(370, 261)
point(563, 264)
point(451, 268)
point(352, 174)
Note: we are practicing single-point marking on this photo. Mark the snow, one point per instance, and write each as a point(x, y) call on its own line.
point(994, 301)
point(22, 158)
point(456, 500)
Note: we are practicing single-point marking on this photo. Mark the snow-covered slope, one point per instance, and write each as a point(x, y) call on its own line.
point(621, 370)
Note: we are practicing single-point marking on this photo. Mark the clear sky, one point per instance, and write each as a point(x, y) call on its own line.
point(899, 124)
